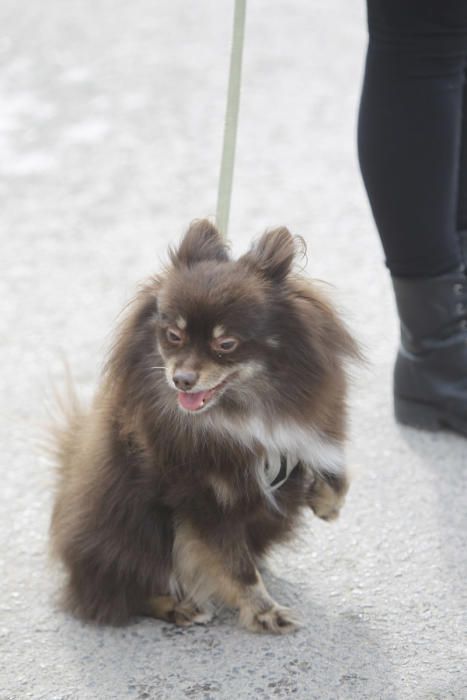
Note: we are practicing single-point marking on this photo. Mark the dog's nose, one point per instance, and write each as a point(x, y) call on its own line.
point(185, 379)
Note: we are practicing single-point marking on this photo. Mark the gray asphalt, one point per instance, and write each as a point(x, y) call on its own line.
point(110, 136)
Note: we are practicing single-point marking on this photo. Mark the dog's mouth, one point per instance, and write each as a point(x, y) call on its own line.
point(197, 400)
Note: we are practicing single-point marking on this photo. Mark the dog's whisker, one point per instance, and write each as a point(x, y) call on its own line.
point(157, 368)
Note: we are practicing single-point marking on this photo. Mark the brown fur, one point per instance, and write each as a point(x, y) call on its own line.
point(159, 511)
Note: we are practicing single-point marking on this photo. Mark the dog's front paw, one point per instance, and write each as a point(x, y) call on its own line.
point(276, 620)
point(327, 511)
point(326, 499)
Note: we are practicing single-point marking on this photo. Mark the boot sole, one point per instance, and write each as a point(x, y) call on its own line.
point(421, 415)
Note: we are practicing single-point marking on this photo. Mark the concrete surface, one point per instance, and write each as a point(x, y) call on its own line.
point(110, 133)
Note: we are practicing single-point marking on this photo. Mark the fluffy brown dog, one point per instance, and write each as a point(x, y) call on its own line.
point(220, 417)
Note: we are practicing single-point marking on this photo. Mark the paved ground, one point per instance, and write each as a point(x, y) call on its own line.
point(110, 133)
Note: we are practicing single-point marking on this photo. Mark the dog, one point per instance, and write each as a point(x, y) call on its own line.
point(220, 418)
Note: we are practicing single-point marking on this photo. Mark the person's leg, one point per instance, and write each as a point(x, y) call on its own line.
point(414, 165)
point(462, 190)
point(409, 131)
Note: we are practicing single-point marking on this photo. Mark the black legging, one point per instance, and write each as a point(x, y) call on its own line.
point(412, 132)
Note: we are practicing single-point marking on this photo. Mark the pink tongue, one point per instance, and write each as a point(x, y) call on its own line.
point(192, 402)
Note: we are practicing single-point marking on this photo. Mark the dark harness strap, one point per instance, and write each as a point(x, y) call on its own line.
point(282, 476)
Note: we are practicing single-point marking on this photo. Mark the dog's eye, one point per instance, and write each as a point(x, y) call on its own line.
point(225, 345)
point(174, 336)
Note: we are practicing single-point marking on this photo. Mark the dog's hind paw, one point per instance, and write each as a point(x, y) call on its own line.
point(276, 620)
point(181, 613)
point(187, 613)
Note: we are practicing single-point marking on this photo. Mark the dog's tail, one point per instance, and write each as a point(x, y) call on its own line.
point(66, 419)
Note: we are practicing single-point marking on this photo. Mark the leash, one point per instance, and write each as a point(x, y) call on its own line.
point(224, 193)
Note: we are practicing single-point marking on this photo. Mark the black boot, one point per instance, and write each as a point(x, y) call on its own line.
point(430, 375)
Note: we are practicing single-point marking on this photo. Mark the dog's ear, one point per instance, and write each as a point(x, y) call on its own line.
point(272, 255)
point(201, 242)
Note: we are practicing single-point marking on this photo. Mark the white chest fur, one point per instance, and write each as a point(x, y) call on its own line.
point(316, 451)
